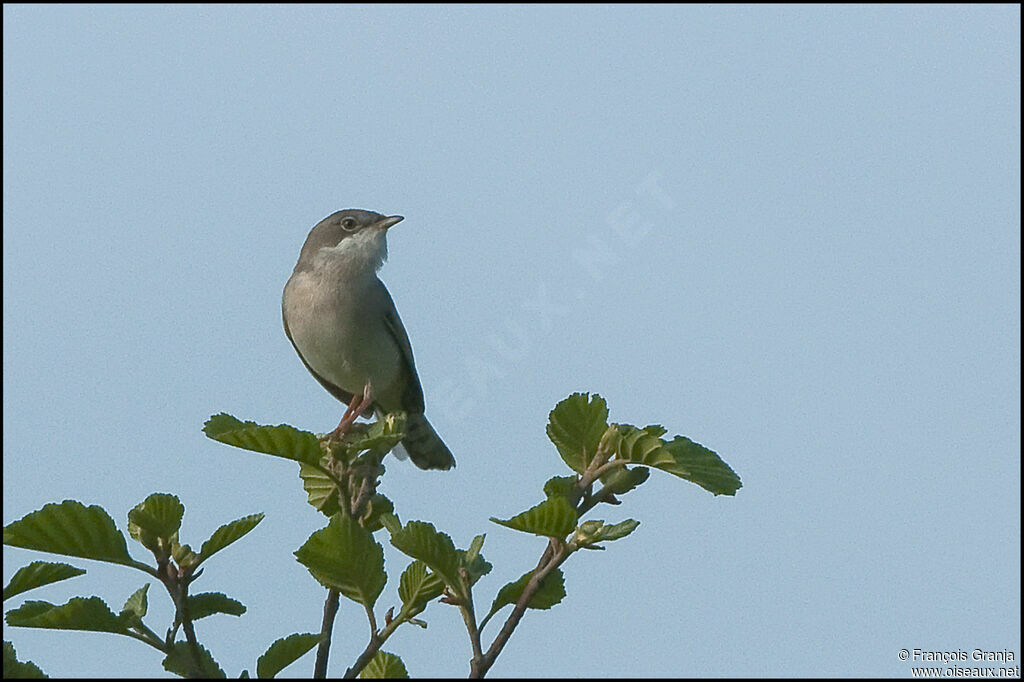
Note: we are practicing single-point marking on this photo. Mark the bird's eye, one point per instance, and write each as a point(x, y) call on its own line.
point(348, 224)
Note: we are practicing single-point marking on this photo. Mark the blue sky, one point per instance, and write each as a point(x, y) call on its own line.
point(789, 233)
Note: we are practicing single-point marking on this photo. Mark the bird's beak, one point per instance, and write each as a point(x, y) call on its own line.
point(389, 221)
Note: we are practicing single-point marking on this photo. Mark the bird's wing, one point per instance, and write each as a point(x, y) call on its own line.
point(412, 394)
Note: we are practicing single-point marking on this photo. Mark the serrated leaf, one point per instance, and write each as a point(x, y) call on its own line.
point(418, 586)
point(179, 662)
point(183, 554)
point(321, 491)
point(159, 515)
point(420, 540)
point(391, 522)
point(617, 530)
point(554, 517)
point(281, 441)
point(15, 669)
point(591, 533)
point(696, 463)
point(643, 446)
point(136, 606)
point(72, 529)
point(476, 568)
point(656, 430)
point(284, 652)
point(560, 486)
point(384, 666)
point(209, 603)
point(79, 613)
point(226, 534)
point(345, 557)
point(550, 592)
point(475, 546)
point(37, 574)
point(621, 480)
point(576, 426)
point(680, 456)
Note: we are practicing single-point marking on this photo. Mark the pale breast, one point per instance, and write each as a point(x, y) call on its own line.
point(342, 336)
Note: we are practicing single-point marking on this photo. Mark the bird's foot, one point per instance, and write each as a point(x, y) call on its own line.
point(356, 406)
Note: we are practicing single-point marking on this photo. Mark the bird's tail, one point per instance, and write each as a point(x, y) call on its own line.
point(424, 447)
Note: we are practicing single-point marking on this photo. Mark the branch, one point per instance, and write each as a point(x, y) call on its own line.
point(377, 640)
point(323, 650)
point(555, 554)
point(469, 616)
point(176, 583)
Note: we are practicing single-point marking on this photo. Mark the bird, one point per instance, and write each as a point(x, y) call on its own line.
point(345, 327)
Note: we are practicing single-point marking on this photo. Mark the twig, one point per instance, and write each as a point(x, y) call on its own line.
point(553, 557)
point(323, 650)
point(176, 583)
point(377, 640)
point(469, 616)
point(190, 636)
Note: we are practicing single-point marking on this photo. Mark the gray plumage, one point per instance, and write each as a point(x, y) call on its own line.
point(343, 324)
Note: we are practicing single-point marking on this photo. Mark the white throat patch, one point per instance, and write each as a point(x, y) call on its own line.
point(364, 251)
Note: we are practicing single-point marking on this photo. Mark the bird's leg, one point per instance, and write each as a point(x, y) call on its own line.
point(356, 407)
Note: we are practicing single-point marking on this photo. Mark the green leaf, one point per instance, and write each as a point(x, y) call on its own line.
point(209, 603)
point(575, 426)
point(321, 491)
point(183, 554)
point(681, 457)
point(554, 517)
point(560, 486)
point(476, 568)
point(281, 441)
point(391, 522)
point(621, 480)
point(15, 669)
point(37, 574)
point(78, 614)
point(474, 547)
point(643, 446)
point(158, 515)
point(550, 592)
point(655, 430)
point(284, 652)
point(418, 586)
point(591, 533)
point(72, 529)
point(344, 556)
point(136, 606)
point(384, 666)
point(226, 534)
point(618, 530)
point(420, 540)
point(179, 662)
point(696, 463)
